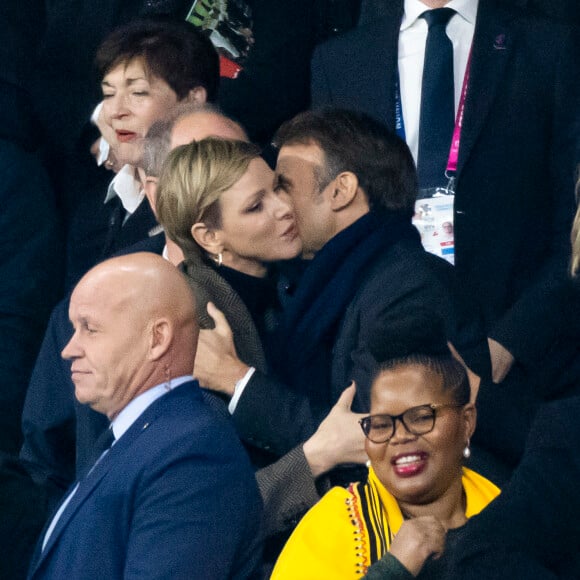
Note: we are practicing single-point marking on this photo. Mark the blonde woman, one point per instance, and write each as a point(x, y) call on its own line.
point(215, 199)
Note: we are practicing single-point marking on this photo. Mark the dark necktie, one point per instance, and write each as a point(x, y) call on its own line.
point(437, 101)
point(102, 444)
point(116, 218)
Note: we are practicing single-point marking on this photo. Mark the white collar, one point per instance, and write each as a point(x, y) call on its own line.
point(127, 188)
point(137, 406)
point(467, 9)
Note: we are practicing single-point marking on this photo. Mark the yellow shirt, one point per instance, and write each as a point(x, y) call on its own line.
point(350, 529)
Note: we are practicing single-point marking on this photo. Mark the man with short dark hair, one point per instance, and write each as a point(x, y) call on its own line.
point(352, 183)
point(507, 147)
point(175, 495)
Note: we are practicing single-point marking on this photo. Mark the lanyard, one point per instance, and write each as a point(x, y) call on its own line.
point(456, 139)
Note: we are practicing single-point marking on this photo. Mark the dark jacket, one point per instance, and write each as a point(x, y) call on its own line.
point(277, 414)
point(175, 497)
point(514, 199)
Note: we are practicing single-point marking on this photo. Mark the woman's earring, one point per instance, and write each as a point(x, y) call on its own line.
point(218, 259)
point(467, 451)
point(368, 463)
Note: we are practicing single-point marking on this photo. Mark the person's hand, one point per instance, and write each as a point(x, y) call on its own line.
point(338, 439)
point(418, 539)
point(217, 366)
point(501, 360)
point(109, 135)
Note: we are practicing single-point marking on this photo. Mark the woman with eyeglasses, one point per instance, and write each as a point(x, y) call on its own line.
point(418, 490)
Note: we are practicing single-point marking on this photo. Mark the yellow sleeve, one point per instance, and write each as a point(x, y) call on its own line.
point(322, 545)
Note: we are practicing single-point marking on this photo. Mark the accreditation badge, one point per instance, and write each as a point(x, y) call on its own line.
point(434, 220)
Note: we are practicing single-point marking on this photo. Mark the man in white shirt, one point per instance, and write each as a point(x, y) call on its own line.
point(510, 163)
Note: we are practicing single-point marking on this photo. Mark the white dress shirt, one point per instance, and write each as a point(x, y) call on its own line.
point(412, 40)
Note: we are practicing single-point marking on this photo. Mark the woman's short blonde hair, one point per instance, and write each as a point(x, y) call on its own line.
point(191, 182)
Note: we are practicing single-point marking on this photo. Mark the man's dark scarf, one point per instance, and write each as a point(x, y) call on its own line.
point(311, 316)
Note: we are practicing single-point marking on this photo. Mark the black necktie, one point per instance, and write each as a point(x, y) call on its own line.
point(102, 444)
point(437, 101)
point(116, 218)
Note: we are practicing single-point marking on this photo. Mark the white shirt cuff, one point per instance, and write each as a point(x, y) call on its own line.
point(239, 389)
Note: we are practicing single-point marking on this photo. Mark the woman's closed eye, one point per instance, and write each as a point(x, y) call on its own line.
point(257, 207)
point(256, 202)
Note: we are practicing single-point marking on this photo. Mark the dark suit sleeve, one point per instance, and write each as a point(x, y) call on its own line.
point(388, 568)
point(273, 417)
point(534, 522)
point(48, 420)
point(528, 328)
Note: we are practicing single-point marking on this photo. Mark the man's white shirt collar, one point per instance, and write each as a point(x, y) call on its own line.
point(137, 406)
point(467, 9)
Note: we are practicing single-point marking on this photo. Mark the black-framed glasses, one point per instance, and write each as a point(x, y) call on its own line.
point(416, 420)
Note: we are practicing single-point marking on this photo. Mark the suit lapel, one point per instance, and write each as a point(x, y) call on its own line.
point(85, 489)
point(493, 45)
point(88, 484)
point(380, 58)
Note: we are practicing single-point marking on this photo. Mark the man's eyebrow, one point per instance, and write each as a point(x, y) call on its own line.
point(282, 179)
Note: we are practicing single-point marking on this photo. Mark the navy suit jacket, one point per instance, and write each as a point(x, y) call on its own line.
point(514, 200)
point(175, 497)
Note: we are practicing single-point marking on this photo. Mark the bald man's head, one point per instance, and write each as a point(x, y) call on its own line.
point(203, 122)
point(135, 327)
point(190, 122)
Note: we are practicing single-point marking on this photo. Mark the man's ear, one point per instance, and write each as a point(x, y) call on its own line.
point(196, 95)
point(343, 190)
point(161, 337)
point(209, 239)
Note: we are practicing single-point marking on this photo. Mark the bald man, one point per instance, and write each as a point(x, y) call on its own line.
point(174, 496)
point(58, 444)
point(59, 433)
point(191, 122)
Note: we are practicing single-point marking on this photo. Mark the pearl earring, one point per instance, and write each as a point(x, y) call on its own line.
point(467, 451)
point(368, 463)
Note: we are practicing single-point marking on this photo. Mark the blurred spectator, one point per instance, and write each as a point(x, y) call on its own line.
point(30, 262)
